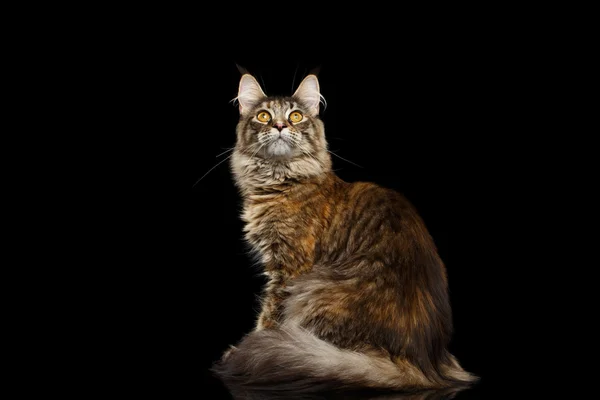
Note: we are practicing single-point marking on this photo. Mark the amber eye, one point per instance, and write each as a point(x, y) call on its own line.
point(296, 117)
point(263, 116)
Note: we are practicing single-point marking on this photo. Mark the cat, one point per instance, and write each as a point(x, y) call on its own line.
point(357, 295)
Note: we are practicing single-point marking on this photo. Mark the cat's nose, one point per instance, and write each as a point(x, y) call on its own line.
point(280, 126)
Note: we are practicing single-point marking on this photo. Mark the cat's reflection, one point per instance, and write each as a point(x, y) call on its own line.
point(424, 395)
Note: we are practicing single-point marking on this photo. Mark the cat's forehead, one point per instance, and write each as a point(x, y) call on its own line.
point(280, 103)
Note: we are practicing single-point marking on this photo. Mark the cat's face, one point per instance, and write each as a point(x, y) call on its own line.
point(280, 129)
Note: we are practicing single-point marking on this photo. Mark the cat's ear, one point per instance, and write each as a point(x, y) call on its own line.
point(308, 93)
point(249, 93)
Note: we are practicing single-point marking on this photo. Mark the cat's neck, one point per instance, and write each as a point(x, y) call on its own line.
point(257, 177)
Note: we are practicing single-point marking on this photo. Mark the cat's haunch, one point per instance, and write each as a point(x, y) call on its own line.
point(357, 294)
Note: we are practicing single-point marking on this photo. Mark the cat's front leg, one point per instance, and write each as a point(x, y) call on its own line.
point(267, 318)
point(270, 313)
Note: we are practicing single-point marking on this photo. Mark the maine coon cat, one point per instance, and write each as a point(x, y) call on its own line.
point(357, 294)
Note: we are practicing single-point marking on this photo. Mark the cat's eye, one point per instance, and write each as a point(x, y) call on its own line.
point(296, 117)
point(263, 116)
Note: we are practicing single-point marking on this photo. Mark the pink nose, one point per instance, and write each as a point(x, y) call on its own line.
point(280, 126)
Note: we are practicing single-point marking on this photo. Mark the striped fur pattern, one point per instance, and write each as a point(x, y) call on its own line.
point(357, 294)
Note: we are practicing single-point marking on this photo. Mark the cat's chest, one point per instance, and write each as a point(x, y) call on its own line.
point(280, 232)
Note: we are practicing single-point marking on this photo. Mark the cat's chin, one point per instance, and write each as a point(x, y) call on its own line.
point(280, 150)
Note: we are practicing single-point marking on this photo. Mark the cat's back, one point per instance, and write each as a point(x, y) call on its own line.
point(373, 195)
point(367, 205)
point(372, 221)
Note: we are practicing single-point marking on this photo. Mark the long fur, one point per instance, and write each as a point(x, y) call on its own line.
point(291, 358)
point(357, 294)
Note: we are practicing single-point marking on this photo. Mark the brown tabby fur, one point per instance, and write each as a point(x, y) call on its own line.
point(357, 295)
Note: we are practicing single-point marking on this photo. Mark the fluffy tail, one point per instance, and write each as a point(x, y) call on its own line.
point(294, 359)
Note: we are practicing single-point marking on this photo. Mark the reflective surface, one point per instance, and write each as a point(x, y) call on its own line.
point(427, 395)
point(214, 389)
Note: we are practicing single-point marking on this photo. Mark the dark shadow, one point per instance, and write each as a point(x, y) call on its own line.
point(245, 394)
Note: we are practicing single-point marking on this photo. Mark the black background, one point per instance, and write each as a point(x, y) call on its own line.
point(430, 123)
point(452, 112)
point(437, 117)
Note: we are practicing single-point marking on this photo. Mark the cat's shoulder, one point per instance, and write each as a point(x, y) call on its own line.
point(376, 194)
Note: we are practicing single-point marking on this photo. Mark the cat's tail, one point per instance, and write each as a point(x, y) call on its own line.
point(293, 359)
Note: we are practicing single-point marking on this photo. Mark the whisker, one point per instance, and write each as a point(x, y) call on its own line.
point(294, 140)
point(344, 158)
point(263, 84)
point(219, 163)
point(305, 151)
point(226, 151)
point(294, 79)
point(261, 146)
point(309, 154)
point(297, 143)
point(302, 149)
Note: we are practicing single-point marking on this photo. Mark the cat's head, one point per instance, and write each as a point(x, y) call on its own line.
point(283, 133)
